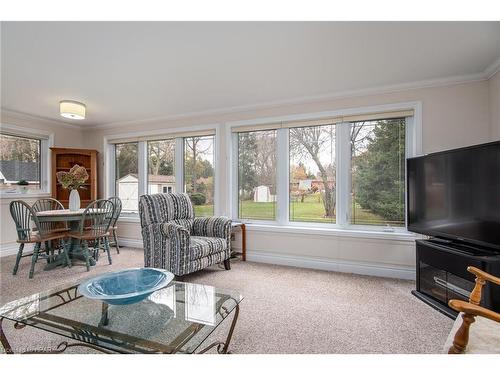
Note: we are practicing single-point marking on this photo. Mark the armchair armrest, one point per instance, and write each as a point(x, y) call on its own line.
point(170, 230)
point(219, 226)
point(166, 245)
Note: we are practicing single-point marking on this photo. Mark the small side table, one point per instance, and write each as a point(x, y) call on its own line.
point(234, 225)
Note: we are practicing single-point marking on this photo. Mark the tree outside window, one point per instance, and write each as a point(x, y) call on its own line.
point(19, 161)
point(313, 174)
point(257, 175)
point(161, 177)
point(378, 172)
point(199, 173)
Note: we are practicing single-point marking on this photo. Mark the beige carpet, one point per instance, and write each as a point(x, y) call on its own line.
point(285, 310)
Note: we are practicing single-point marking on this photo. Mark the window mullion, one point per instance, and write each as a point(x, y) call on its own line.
point(282, 176)
point(343, 174)
point(44, 165)
point(110, 167)
point(411, 150)
point(234, 177)
point(179, 165)
point(143, 168)
point(219, 205)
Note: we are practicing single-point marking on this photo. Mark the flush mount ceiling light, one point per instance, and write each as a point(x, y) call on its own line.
point(71, 109)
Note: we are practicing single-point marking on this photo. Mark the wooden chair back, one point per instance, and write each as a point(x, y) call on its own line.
point(49, 204)
point(117, 202)
point(97, 218)
point(25, 219)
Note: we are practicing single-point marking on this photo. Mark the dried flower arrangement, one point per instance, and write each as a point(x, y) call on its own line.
point(73, 179)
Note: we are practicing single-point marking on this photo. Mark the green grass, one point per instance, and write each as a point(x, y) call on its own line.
point(260, 211)
point(311, 210)
point(204, 210)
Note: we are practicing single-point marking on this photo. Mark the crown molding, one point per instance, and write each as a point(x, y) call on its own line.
point(30, 117)
point(491, 70)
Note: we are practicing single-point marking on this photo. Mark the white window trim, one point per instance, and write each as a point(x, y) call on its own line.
point(282, 183)
point(47, 141)
point(170, 133)
point(413, 148)
point(343, 174)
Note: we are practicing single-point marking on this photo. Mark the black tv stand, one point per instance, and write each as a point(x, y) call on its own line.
point(440, 240)
point(442, 273)
point(439, 306)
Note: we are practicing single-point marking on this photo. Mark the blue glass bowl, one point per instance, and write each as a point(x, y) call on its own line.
point(127, 286)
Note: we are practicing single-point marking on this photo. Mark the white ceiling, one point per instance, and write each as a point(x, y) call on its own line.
point(127, 71)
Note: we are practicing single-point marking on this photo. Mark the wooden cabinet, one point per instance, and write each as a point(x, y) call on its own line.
point(63, 159)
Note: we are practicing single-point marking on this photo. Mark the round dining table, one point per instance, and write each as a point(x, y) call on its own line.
point(73, 218)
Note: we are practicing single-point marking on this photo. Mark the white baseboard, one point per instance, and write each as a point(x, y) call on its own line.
point(9, 248)
point(361, 268)
point(130, 242)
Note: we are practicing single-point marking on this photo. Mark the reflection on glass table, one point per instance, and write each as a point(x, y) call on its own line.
point(176, 319)
point(200, 304)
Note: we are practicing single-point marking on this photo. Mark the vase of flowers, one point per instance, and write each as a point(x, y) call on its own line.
point(73, 180)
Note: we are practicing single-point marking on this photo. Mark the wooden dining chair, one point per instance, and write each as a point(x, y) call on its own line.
point(117, 202)
point(94, 229)
point(49, 204)
point(26, 222)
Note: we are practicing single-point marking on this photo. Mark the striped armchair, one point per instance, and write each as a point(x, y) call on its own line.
point(177, 241)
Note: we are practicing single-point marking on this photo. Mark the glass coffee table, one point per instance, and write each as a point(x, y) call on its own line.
point(176, 319)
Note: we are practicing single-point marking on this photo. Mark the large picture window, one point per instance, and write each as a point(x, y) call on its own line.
point(162, 166)
point(378, 172)
point(127, 175)
point(199, 165)
point(257, 175)
point(338, 171)
point(161, 157)
point(20, 160)
point(312, 174)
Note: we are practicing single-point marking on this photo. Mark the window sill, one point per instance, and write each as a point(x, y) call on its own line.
point(8, 196)
point(399, 235)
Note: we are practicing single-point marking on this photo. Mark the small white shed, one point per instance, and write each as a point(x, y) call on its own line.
point(262, 194)
point(128, 191)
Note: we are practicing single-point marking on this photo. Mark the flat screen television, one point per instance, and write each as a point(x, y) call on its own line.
point(455, 195)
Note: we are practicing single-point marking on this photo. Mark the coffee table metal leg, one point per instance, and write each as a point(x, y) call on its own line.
point(104, 315)
point(4, 341)
point(60, 348)
point(222, 347)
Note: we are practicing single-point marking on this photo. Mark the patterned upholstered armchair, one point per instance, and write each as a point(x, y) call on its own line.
point(177, 241)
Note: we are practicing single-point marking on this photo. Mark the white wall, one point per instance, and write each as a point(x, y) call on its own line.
point(64, 136)
point(494, 95)
point(453, 116)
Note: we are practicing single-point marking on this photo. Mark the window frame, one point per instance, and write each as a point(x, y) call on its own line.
point(142, 138)
point(311, 223)
point(115, 180)
point(413, 147)
point(276, 213)
point(183, 171)
point(409, 124)
point(147, 160)
point(46, 142)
